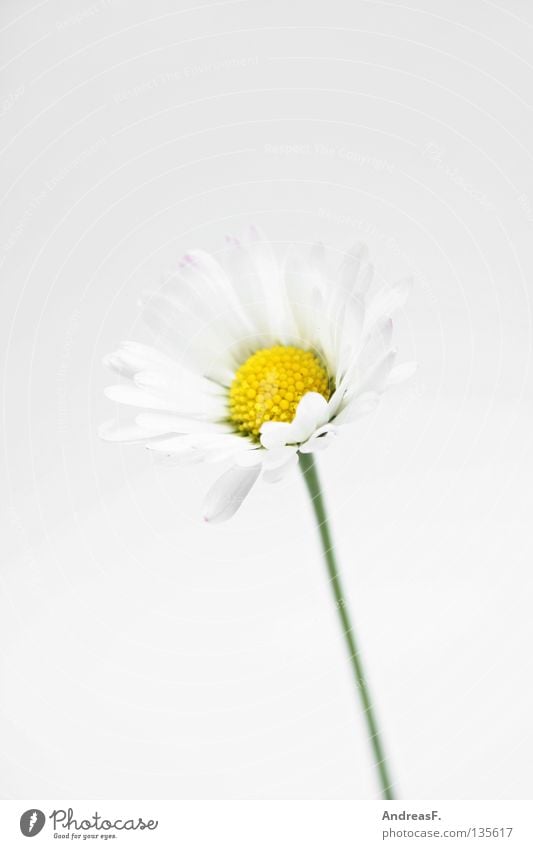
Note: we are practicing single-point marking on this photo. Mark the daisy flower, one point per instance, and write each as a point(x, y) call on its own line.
point(256, 362)
point(260, 364)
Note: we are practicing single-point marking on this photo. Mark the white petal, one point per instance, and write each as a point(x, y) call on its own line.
point(175, 451)
point(278, 456)
point(255, 276)
point(113, 431)
point(201, 344)
point(276, 472)
point(387, 301)
point(206, 278)
point(252, 455)
point(360, 406)
point(192, 458)
point(351, 266)
point(132, 357)
point(370, 347)
point(179, 424)
point(345, 301)
point(304, 293)
point(200, 447)
point(402, 372)
point(317, 256)
point(229, 443)
point(384, 331)
point(320, 440)
point(274, 434)
point(192, 395)
point(335, 402)
point(135, 397)
point(159, 375)
point(312, 411)
point(231, 448)
point(247, 284)
point(228, 492)
point(268, 268)
point(345, 309)
point(349, 325)
point(365, 278)
point(375, 378)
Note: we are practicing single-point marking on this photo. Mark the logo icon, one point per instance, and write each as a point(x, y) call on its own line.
point(32, 822)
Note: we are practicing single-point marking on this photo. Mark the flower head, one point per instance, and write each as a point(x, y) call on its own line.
point(255, 361)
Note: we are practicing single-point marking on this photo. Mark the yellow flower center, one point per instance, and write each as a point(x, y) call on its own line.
point(270, 384)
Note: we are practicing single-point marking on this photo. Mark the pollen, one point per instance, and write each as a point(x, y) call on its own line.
point(270, 384)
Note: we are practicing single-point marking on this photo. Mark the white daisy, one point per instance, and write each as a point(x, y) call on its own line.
point(256, 361)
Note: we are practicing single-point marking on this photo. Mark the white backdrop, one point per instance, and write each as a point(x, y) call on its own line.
point(145, 654)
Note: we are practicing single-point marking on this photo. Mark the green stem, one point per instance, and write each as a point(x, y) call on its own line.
point(309, 471)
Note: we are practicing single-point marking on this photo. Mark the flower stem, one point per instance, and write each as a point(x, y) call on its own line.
point(309, 471)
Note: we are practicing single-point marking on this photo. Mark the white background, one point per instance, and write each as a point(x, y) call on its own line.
point(145, 655)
